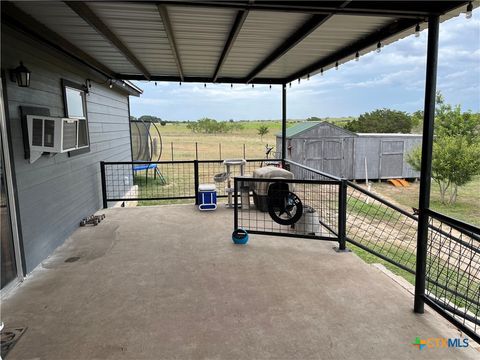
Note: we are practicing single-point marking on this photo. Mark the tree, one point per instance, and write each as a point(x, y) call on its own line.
point(382, 121)
point(263, 130)
point(456, 150)
point(163, 122)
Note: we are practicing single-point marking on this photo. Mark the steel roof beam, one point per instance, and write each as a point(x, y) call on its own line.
point(93, 20)
point(235, 30)
point(306, 29)
point(394, 27)
point(311, 8)
point(200, 79)
point(171, 38)
point(18, 19)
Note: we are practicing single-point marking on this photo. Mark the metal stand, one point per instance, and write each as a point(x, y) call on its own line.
point(229, 189)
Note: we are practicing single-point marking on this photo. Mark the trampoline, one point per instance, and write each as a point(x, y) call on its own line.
point(146, 147)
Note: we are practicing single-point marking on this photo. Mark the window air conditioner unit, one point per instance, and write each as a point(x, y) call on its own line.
point(55, 135)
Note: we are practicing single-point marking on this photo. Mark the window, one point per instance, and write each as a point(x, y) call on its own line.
point(76, 108)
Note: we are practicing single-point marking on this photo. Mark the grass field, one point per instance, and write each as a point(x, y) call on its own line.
point(466, 208)
point(232, 144)
point(209, 145)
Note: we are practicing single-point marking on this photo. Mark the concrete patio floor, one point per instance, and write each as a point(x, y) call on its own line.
point(167, 283)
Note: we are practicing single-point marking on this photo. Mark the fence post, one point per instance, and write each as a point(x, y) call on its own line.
point(104, 184)
point(244, 152)
point(196, 180)
point(342, 215)
point(171, 146)
point(235, 204)
point(196, 151)
point(220, 150)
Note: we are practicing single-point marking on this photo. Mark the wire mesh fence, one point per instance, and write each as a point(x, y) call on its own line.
point(453, 269)
point(286, 207)
point(381, 228)
point(156, 182)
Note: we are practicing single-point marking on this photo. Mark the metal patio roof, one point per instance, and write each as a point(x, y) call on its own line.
point(219, 41)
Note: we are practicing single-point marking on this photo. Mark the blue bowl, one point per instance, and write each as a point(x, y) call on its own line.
point(240, 237)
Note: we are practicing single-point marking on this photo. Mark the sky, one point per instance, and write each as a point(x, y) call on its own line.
point(394, 78)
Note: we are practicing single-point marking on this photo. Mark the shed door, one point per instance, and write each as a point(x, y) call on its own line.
point(325, 155)
point(391, 158)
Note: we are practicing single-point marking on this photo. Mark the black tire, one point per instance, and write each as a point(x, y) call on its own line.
point(282, 204)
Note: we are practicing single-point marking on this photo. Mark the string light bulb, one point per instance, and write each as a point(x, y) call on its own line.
point(123, 83)
point(290, 85)
point(468, 14)
point(357, 56)
point(231, 86)
point(336, 65)
point(321, 72)
point(417, 30)
point(299, 80)
point(155, 83)
point(379, 47)
point(205, 85)
point(270, 86)
point(308, 77)
point(180, 83)
point(110, 85)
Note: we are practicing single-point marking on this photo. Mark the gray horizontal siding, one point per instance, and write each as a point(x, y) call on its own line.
point(56, 192)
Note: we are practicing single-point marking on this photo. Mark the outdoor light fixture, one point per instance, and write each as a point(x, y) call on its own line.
point(336, 65)
point(21, 75)
point(379, 47)
point(417, 30)
point(357, 56)
point(468, 14)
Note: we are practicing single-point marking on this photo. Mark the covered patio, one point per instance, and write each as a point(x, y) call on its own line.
point(166, 282)
point(144, 289)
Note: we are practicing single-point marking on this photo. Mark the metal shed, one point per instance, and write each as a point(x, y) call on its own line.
point(350, 155)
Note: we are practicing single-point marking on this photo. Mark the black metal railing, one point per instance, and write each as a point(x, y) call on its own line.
point(381, 228)
point(160, 181)
point(453, 271)
point(287, 207)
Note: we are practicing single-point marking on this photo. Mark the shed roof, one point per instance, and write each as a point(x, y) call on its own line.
point(299, 128)
point(219, 41)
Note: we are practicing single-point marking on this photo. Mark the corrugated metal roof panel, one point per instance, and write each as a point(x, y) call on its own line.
point(141, 29)
point(299, 128)
point(200, 34)
point(336, 33)
point(261, 33)
point(65, 22)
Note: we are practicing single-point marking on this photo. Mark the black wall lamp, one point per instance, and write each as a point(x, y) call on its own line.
point(21, 75)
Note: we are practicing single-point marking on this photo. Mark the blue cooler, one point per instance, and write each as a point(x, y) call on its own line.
point(207, 197)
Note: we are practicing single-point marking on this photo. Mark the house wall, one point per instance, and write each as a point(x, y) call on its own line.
point(56, 192)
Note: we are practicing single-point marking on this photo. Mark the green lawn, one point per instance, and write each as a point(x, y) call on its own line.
point(467, 207)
